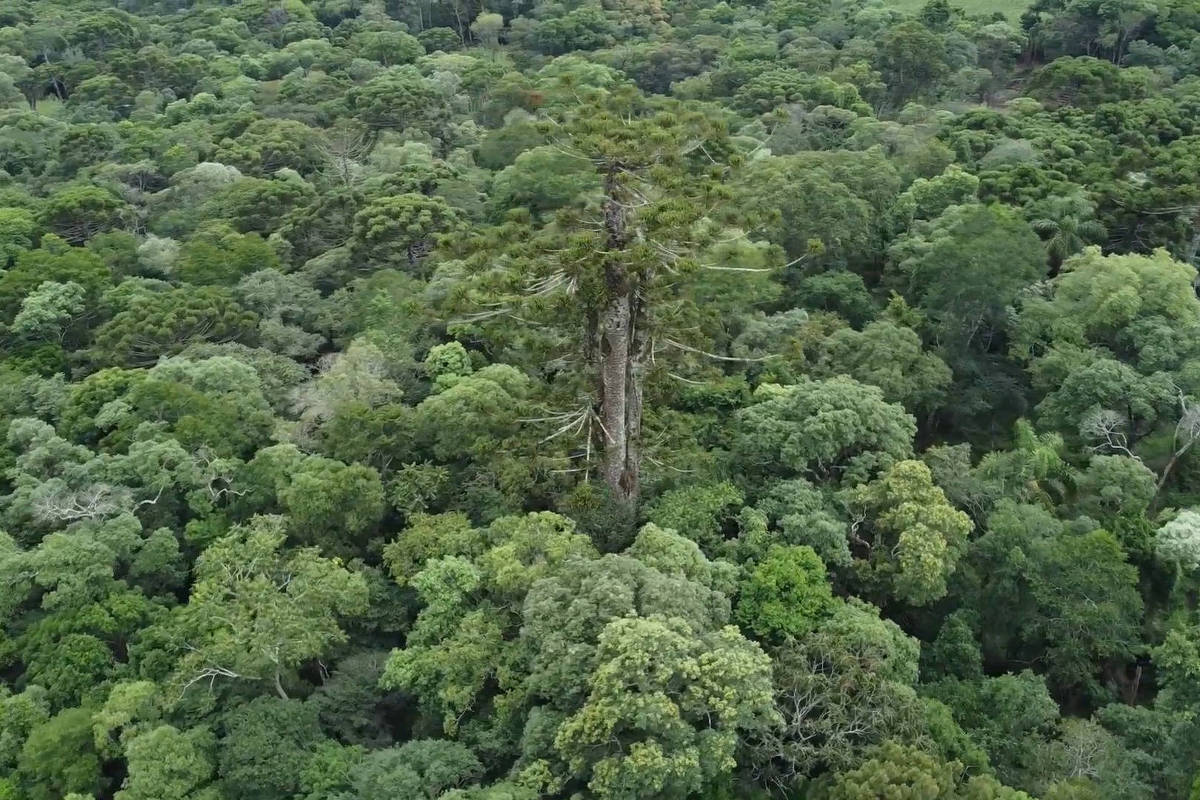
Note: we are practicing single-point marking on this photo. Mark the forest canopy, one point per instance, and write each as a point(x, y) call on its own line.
point(599, 400)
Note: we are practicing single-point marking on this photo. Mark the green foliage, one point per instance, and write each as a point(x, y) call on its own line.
point(889, 356)
point(387, 47)
point(563, 630)
point(17, 227)
point(58, 757)
point(1087, 82)
point(397, 230)
point(419, 768)
point(1073, 592)
point(912, 59)
point(786, 594)
point(331, 504)
point(256, 613)
point(1178, 542)
point(468, 582)
point(955, 652)
point(808, 211)
point(542, 179)
point(626, 399)
point(216, 258)
point(966, 292)
point(166, 761)
point(800, 514)
point(48, 310)
point(1078, 633)
point(913, 538)
point(837, 428)
point(395, 98)
point(215, 404)
point(928, 198)
point(351, 705)
point(164, 323)
point(52, 262)
point(267, 146)
point(267, 744)
point(1103, 301)
point(637, 734)
point(898, 771)
point(77, 213)
point(22, 714)
point(701, 513)
point(1009, 716)
point(840, 689)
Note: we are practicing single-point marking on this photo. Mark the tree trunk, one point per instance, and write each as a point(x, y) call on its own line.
point(621, 354)
point(617, 390)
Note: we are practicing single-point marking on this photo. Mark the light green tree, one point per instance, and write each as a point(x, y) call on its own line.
point(48, 311)
point(17, 226)
point(256, 613)
point(908, 537)
point(835, 429)
point(785, 595)
point(167, 762)
point(664, 710)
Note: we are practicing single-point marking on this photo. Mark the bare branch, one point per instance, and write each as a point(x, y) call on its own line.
point(1105, 427)
point(690, 349)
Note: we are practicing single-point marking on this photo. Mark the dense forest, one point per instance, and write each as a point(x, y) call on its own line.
point(599, 400)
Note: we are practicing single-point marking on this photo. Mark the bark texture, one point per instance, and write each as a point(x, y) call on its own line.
point(621, 353)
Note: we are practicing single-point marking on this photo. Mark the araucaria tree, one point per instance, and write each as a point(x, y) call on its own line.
point(617, 276)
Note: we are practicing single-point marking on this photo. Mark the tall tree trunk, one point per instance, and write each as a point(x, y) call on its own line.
point(616, 389)
point(621, 353)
